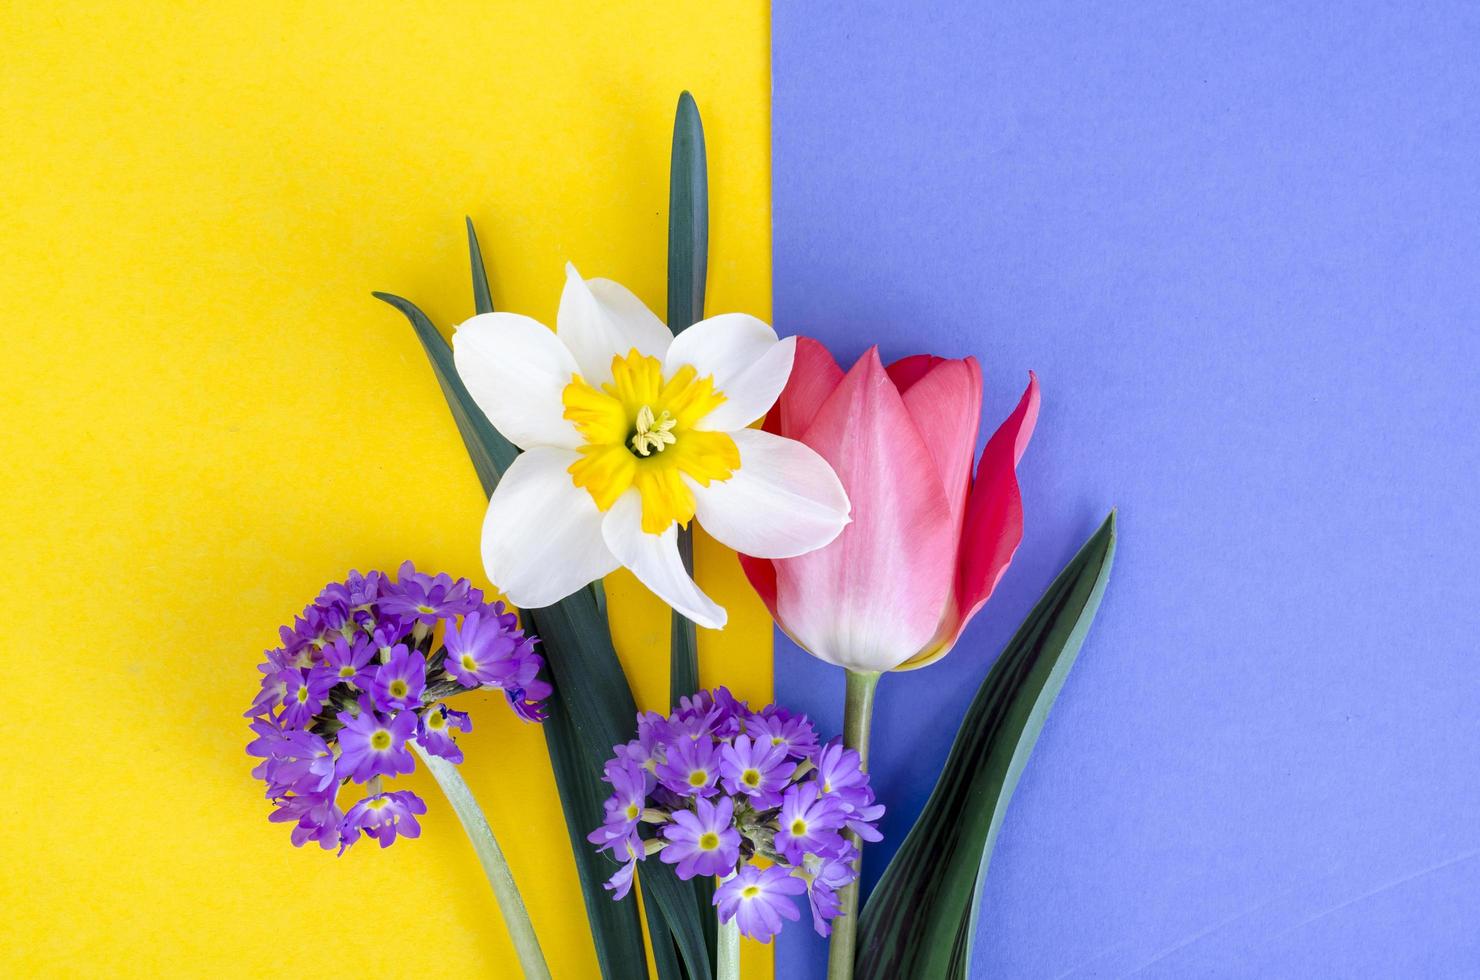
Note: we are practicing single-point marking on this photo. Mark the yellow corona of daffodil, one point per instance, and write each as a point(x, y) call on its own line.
point(629, 433)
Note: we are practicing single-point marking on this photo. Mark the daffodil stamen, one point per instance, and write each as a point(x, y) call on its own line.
point(653, 434)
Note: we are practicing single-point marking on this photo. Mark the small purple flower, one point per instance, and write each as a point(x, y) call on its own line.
point(372, 745)
point(629, 850)
point(824, 876)
point(348, 662)
point(315, 818)
point(425, 599)
point(758, 899)
point(691, 768)
point(624, 807)
point(274, 686)
point(780, 727)
point(808, 823)
point(304, 696)
point(353, 597)
point(383, 816)
point(297, 762)
point(435, 729)
point(482, 651)
point(400, 681)
point(755, 769)
point(703, 841)
point(840, 775)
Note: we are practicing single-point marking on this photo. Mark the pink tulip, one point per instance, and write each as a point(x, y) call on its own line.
point(928, 542)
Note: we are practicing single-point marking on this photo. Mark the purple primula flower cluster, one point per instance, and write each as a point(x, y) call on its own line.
point(715, 784)
point(359, 678)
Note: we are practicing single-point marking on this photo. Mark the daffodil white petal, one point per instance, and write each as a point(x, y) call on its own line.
point(516, 369)
point(600, 319)
point(783, 501)
point(746, 361)
point(654, 559)
point(542, 537)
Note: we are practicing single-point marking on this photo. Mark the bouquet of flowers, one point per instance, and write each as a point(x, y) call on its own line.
point(863, 518)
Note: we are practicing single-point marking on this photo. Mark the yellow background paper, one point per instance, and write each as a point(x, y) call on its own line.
point(206, 417)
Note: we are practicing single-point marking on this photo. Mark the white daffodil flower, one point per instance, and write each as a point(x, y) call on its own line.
point(629, 432)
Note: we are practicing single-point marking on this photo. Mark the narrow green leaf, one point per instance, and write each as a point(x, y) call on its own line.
point(591, 710)
point(688, 218)
point(482, 298)
point(491, 453)
point(920, 920)
point(688, 262)
point(688, 270)
point(665, 952)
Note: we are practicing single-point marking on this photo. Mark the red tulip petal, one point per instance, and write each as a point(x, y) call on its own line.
point(907, 370)
point(814, 376)
point(875, 596)
point(762, 575)
point(994, 511)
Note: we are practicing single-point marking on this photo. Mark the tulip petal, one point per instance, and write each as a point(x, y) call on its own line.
point(654, 559)
point(748, 364)
point(814, 376)
point(516, 369)
point(600, 319)
point(994, 522)
point(875, 596)
point(762, 575)
point(907, 370)
point(945, 400)
point(542, 536)
point(783, 501)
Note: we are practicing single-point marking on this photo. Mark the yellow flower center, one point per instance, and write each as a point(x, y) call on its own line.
point(398, 688)
point(436, 721)
point(381, 740)
point(632, 811)
point(377, 804)
point(750, 777)
point(468, 663)
point(346, 671)
point(640, 431)
point(750, 891)
point(303, 695)
point(798, 827)
point(708, 841)
point(698, 777)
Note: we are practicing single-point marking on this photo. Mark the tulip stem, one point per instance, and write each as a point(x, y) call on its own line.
point(858, 715)
point(491, 856)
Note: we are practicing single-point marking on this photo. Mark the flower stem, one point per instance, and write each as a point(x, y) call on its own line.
point(727, 952)
point(491, 856)
point(858, 714)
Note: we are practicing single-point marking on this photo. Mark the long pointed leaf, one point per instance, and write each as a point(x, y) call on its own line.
point(688, 263)
point(920, 920)
point(482, 297)
point(491, 453)
point(688, 269)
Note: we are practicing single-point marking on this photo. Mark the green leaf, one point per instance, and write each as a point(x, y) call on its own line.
point(688, 261)
point(482, 298)
point(688, 269)
point(920, 920)
point(688, 218)
point(491, 453)
point(591, 710)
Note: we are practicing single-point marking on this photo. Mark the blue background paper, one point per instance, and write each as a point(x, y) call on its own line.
point(1240, 244)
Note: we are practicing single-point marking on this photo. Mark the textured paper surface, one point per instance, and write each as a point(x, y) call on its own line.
point(1239, 244)
point(206, 417)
